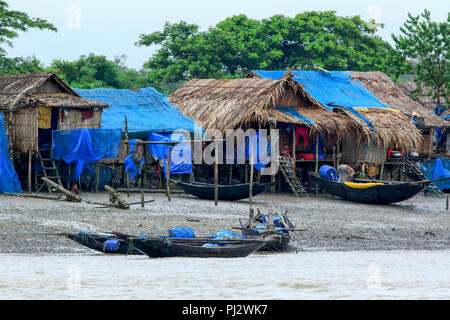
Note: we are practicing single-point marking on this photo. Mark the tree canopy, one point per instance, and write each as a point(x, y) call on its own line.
point(239, 43)
point(11, 23)
point(425, 44)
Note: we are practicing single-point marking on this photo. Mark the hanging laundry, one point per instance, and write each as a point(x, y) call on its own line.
point(302, 132)
point(44, 117)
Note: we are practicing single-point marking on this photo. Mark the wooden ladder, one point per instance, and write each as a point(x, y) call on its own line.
point(287, 169)
point(49, 169)
point(418, 172)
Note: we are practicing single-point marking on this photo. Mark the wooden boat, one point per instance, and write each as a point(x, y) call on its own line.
point(225, 192)
point(111, 244)
point(197, 247)
point(281, 236)
point(372, 192)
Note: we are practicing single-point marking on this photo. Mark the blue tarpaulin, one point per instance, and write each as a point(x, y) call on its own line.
point(147, 110)
point(261, 150)
point(9, 181)
point(333, 89)
point(131, 167)
point(296, 114)
point(181, 158)
point(85, 146)
point(437, 169)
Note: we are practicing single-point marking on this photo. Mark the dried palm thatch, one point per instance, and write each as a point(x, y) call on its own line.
point(389, 93)
point(242, 103)
point(20, 90)
point(392, 129)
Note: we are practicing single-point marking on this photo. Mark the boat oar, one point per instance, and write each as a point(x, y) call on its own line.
point(430, 181)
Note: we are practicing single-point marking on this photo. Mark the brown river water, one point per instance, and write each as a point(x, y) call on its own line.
point(288, 276)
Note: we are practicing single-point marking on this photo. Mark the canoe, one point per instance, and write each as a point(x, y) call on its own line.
point(197, 247)
point(281, 238)
point(225, 192)
point(370, 193)
point(111, 244)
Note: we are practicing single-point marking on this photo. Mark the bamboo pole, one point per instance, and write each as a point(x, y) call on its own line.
point(70, 196)
point(294, 147)
point(168, 159)
point(29, 171)
point(317, 154)
point(97, 175)
point(216, 173)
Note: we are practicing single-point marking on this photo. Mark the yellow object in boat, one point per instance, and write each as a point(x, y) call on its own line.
point(367, 185)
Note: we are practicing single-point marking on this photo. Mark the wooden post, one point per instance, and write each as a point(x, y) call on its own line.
point(317, 154)
point(115, 197)
point(294, 148)
point(230, 174)
point(381, 172)
point(97, 175)
point(29, 171)
point(334, 156)
point(113, 174)
point(338, 154)
point(168, 160)
point(142, 200)
point(70, 196)
point(250, 195)
point(216, 173)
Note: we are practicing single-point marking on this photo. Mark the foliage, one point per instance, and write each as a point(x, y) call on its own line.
point(239, 44)
point(11, 22)
point(425, 43)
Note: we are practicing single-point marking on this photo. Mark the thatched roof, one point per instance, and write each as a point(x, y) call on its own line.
point(19, 90)
point(241, 103)
point(389, 93)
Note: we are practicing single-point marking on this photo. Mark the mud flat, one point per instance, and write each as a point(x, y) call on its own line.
point(29, 225)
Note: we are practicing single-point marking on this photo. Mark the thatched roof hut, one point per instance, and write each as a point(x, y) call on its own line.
point(384, 126)
point(251, 103)
point(398, 96)
point(35, 101)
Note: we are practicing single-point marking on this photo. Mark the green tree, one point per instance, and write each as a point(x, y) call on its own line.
point(239, 44)
point(11, 22)
point(425, 44)
point(94, 71)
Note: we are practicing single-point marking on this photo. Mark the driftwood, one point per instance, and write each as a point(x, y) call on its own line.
point(71, 197)
point(32, 196)
point(114, 197)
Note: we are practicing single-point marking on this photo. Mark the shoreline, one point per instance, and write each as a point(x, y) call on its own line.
point(421, 223)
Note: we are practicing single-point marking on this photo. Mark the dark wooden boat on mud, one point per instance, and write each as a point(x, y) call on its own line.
point(111, 244)
point(282, 232)
point(230, 192)
point(197, 247)
point(371, 193)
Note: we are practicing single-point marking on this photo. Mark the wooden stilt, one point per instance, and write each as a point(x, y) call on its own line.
point(294, 147)
point(168, 160)
point(29, 171)
point(216, 174)
point(97, 175)
point(317, 154)
point(230, 174)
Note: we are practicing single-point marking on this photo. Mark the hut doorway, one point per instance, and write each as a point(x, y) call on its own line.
point(47, 122)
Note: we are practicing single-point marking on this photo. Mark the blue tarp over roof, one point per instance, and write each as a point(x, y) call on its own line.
point(336, 88)
point(147, 110)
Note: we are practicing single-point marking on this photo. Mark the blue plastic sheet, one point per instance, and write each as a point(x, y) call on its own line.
point(9, 181)
point(437, 169)
point(334, 89)
point(131, 167)
point(261, 150)
point(296, 114)
point(146, 109)
point(181, 158)
point(85, 146)
point(181, 232)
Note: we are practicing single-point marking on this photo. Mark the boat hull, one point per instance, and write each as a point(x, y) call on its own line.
point(225, 192)
point(380, 194)
point(163, 248)
point(97, 243)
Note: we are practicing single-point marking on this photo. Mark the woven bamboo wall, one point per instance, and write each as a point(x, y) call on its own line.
point(25, 127)
point(353, 151)
point(73, 120)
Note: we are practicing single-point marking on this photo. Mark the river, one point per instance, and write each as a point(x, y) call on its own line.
point(289, 276)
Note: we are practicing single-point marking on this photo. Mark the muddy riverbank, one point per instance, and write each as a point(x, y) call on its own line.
point(28, 225)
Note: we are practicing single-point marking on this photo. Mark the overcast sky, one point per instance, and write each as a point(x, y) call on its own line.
point(111, 27)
